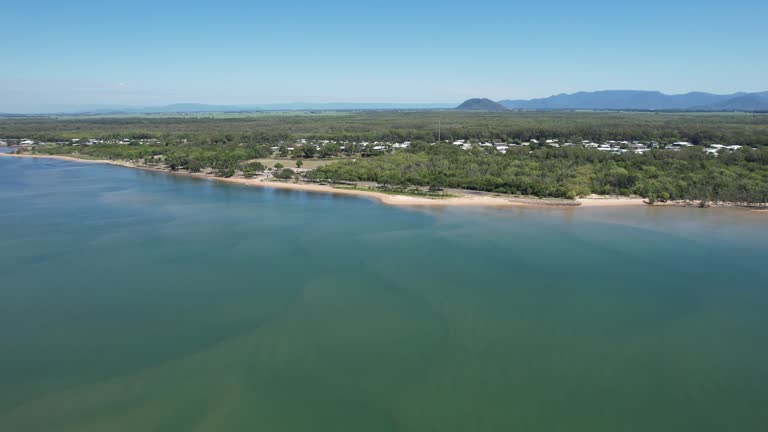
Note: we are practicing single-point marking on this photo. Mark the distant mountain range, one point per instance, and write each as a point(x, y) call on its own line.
point(298, 106)
point(598, 100)
point(181, 108)
point(644, 100)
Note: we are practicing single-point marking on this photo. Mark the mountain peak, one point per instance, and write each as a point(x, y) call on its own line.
point(480, 104)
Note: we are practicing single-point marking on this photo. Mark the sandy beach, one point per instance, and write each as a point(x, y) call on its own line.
point(611, 201)
point(460, 200)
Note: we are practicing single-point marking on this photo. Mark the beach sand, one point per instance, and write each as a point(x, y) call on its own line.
point(611, 201)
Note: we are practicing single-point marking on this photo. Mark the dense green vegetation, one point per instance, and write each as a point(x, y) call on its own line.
point(229, 145)
point(690, 174)
point(732, 128)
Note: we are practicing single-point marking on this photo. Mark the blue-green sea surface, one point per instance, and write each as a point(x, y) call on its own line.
point(138, 301)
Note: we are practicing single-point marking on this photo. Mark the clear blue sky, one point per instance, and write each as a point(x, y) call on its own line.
point(140, 52)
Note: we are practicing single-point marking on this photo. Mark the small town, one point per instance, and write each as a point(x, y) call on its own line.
point(336, 147)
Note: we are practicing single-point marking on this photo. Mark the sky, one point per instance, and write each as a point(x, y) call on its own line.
point(59, 54)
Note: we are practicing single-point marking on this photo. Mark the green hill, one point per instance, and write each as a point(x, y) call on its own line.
point(479, 104)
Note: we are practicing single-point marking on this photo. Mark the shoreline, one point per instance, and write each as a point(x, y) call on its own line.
point(391, 199)
point(464, 200)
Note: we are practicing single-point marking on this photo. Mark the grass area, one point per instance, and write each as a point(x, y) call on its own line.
point(399, 192)
point(291, 163)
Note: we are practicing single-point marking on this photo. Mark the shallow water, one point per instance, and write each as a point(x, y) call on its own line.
point(133, 300)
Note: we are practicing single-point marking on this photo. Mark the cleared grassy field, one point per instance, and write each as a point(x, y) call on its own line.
point(291, 163)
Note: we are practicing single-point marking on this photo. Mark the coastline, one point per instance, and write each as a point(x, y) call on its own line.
point(464, 200)
point(401, 200)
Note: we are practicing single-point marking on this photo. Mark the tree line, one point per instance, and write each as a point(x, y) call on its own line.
point(690, 174)
point(430, 126)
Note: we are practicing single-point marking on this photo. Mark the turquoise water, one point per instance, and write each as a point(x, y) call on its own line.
point(138, 301)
